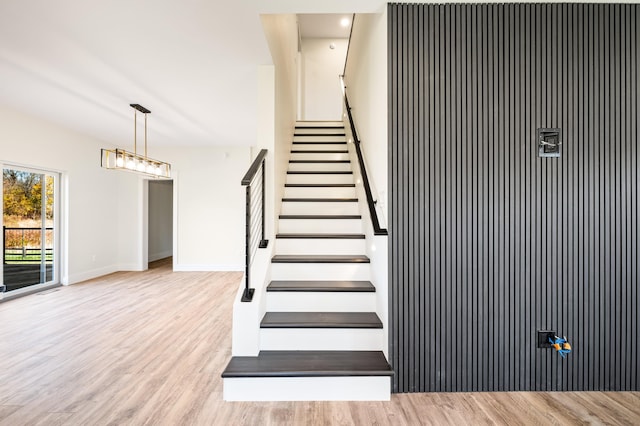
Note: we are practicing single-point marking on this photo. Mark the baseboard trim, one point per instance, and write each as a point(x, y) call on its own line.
point(89, 275)
point(161, 255)
point(207, 268)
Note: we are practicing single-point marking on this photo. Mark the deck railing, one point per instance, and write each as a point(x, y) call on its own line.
point(17, 245)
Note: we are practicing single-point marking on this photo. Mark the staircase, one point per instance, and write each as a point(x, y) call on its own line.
point(320, 338)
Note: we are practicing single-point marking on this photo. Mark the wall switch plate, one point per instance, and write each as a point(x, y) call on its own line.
point(544, 336)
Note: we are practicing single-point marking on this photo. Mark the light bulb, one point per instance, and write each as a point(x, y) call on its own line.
point(119, 161)
point(131, 165)
point(150, 168)
point(141, 166)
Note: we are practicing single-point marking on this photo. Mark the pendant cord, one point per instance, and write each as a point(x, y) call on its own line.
point(145, 135)
point(135, 132)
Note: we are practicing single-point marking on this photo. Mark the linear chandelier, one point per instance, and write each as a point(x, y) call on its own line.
point(119, 159)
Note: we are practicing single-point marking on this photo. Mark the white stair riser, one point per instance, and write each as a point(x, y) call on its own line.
point(314, 226)
point(320, 272)
point(320, 339)
point(298, 301)
point(368, 388)
point(325, 131)
point(320, 192)
point(312, 123)
point(318, 156)
point(318, 147)
point(320, 246)
point(318, 178)
point(319, 138)
point(315, 207)
point(343, 167)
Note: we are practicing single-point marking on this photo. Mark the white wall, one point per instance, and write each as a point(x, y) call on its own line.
point(276, 120)
point(131, 215)
point(366, 81)
point(281, 32)
point(160, 224)
point(208, 206)
point(92, 235)
point(321, 68)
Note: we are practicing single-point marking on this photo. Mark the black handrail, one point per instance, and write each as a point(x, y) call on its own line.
point(346, 57)
point(258, 164)
point(377, 230)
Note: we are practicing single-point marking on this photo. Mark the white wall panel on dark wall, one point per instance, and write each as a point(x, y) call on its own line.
point(321, 68)
point(489, 242)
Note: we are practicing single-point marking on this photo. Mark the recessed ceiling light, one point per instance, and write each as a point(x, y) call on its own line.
point(344, 22)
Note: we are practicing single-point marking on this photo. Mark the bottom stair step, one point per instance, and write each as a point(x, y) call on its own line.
point(309, 364)
point(308, 376)
point(340, 388)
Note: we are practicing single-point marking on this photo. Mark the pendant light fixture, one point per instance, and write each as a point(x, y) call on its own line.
point(119, 159)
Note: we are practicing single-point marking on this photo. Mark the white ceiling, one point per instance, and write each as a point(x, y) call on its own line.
point(193, 63)
point(324, 25)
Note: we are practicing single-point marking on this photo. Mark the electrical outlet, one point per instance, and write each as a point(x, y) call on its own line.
point(544, 336)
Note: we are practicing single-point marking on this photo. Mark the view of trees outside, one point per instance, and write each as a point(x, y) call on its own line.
point(22, 200)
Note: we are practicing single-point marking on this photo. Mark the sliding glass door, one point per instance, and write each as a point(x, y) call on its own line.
point(29, 255)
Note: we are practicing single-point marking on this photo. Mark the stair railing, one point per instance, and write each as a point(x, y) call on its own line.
point(254, 216)
point(371, 202)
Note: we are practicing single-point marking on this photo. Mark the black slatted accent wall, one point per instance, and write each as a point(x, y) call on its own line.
point(489, 242)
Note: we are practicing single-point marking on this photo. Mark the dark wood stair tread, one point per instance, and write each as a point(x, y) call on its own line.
point(320, 216)
point(368, 320)
point(322, 286)
point(319, 185)
point(309, 364)
point(320, 258)
point(319, 200)
point(322, 236)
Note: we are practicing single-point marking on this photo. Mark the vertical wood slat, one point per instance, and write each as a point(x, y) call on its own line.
point(488, 242)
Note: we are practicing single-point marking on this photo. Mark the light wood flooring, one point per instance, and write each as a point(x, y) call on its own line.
point(148, 348)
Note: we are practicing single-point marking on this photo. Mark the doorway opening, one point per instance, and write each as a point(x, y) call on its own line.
point(160, 222)
point(30, 254)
